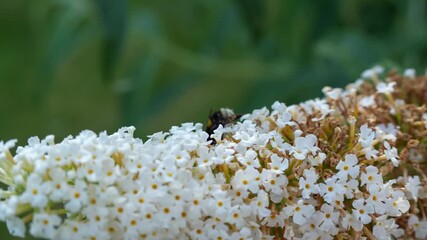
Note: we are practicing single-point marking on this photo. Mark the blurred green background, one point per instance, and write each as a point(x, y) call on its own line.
point(68, 65)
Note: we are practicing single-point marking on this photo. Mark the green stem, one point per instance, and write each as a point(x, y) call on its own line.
point(226, 172)
point(393, 103)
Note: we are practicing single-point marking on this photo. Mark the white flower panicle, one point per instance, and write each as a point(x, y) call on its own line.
point(322, 169)
point(116, 186)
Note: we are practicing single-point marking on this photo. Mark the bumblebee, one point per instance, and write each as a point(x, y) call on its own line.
point(223, 116)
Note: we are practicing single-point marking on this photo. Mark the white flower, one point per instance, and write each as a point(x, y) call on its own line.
point(58, 184)
point(332, 190)
point(218, 133)
point(77, 230)
point(370, 152)
point(278, 164)
point(108, 172)
point(385, 228)
point(328, 216)
point(214, 233)
point(391, 154)
point(244, 233)
point(198, 231)
point(6, 146)
point(385, 87)
point(300, 212)
point(250, 159)
point(371, 177)
point(377, 197)
point(197, 204)
point(257, 114)
point(260, 204)
point(367, 101)
point(246, 179)
point(316, 160)
point(237, 215)
point(223, 154)
point(386, 131)
point(44, 225)
point(308, 183)
point(304, 146)
point(168, 211)
point(388, 186)
point(277, 198)
point(273, 182)
point(361, 211)
point(317, 105)
point(420, 227)
point(413, 185)
point(332, 93)
point(205, 156)
point(36, 191)
point(16, 227)
point(348, 167)
point(182, 159)
point(350, 220)
point(367, 136)
point(278, 108)
point(77, 197)
point(298, 115)
point(96, 215)
point(284, 119)
point(9, 207)
point(273, 220)
point(373, 72)
point(311, 228)
point(397, 204)
point(247, 133)
point(350, 187)
point(409, 72)
point(239, 195)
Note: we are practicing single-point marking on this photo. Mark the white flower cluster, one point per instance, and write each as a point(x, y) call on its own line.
point(321, 204)
point(284, 173)
point(117, 187)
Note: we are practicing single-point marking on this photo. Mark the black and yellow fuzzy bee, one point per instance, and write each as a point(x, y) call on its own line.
point(223, 116)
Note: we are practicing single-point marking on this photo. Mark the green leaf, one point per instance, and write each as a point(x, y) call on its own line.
point(70, 29)
point(112, 16)
point(144, 73)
